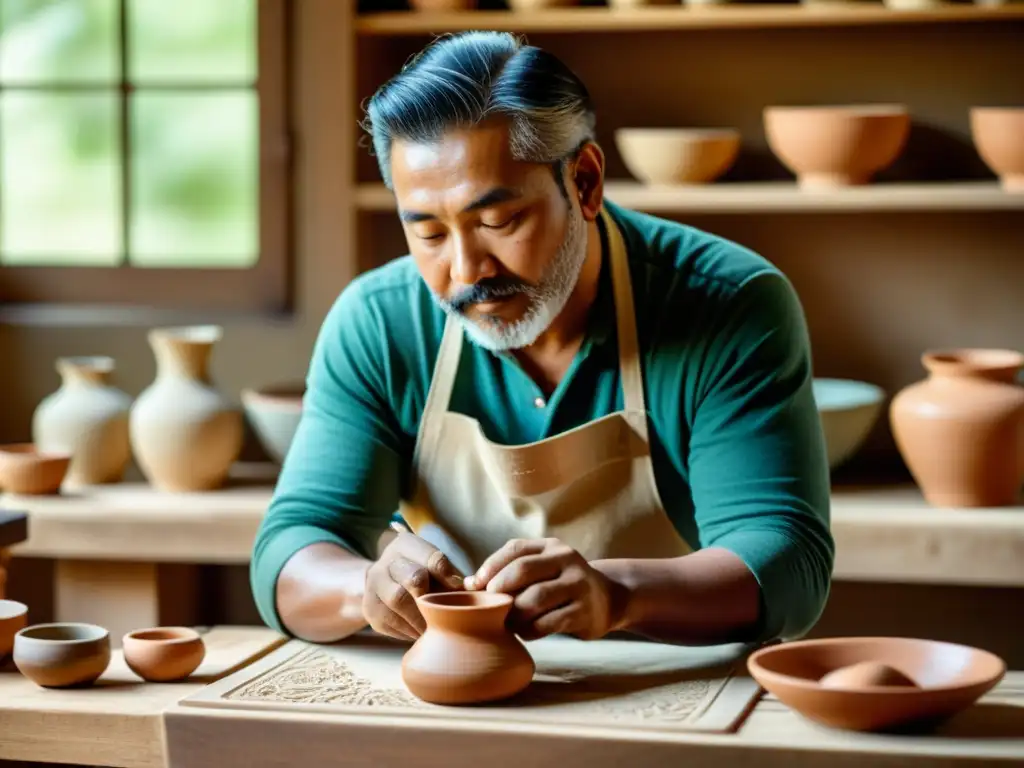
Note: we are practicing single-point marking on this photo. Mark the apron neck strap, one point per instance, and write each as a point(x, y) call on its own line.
point(446, 367)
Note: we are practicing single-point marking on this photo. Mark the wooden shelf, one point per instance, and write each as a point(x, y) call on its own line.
point(778, 197)
point(680, 17)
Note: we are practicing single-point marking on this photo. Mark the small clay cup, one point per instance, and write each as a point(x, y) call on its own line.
point(163, 654)
point(27, 471)
point(13, 619)
point(946, 677)
point(466, 655)
point(62, 655)
point(998, 134)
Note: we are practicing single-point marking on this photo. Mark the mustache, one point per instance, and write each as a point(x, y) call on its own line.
point(486, 290)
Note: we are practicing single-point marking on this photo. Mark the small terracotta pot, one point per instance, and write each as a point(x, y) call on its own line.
point(13, 619)
point(28, 471)
point(677, 156)
point(946, 678)
point(442, 5)
point(163, 654)
point(466, 655)
point(62, 655)
point(535, 5)
point(828, 147)
point(961, 430)
point(998, 134)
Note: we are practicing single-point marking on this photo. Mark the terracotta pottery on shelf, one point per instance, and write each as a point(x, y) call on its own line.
point(876, 683)
point(163, 654)
point(88, 418)
point(274, 413)
point(639, 3)
point(443, 5)
point(961, 429)
point(26, 470)
point(466, 655)
point(536, 5)
point(838, 146)
point(185, 433)
point(998, 135)
point(677, 155)
point(62, 655)
point(13, 619)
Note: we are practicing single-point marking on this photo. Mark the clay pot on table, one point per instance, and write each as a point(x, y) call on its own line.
point(24, 469)
point(185, 433)
point(677, 155)
point(163, 654)
point(834, 147)
point(961, 429)
point(62, 655)
point(88, 418)
point(13, 619)
point(466, 655)
point(998, 134)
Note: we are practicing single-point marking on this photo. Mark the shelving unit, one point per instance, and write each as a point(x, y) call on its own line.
point(590, 19)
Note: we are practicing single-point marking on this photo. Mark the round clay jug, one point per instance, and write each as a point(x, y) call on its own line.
point(466, 655)
point(87, 418)
point(185, 433)
point(961, 430)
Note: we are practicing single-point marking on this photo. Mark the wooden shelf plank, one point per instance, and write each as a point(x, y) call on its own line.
point(738, 16)
point(778, 197)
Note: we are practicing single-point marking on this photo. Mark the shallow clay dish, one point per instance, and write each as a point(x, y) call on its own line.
point(677, 155)
point(947, 678)
point(62, 655)
point(998, 134)
point(13, 618)
point(839, 146)
point(163, 654)
point(25, 470)
point(274, 413)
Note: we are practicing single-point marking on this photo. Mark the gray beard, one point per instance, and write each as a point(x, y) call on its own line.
point(546, 300)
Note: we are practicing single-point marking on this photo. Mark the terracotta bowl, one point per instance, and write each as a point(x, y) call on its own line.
point(62, 655)
point(25, 470)
point(274, 413)
point(998, 134)
point(534, 5)
point(948, 678)
point(677, 155)
point(848, 410)
point(829, 147)
point(13, 619)
point(442, 5)
point(163, 654)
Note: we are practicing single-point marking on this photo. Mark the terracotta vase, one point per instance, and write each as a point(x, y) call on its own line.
point(185, 433)
point(88, 418)
point(961, 430)
point(466, 655)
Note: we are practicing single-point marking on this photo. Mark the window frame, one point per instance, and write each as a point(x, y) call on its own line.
point(267, 286)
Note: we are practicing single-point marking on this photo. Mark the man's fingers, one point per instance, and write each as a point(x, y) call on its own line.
point(386, 622)
point(525, 571)
point(545, 597)
point(564, 620)
point(413, 576)
point(511, 551)
point(401, 602)
point(430, 557)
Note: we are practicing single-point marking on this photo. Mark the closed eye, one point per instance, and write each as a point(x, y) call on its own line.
point(504, 224)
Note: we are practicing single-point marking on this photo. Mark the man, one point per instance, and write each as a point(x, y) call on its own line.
point(605, 414)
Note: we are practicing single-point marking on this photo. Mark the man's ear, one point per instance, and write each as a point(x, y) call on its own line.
point(588, 179)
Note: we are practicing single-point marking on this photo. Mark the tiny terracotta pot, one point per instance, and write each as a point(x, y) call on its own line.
point(998, 134)
point(442, 5)
point(466, 655)
point(536, 5)
point(28, 471)
point(829, 147)
point(890, 682)
point(63, 655)
point(677, 156)
point(163, 654)
point(13, 619)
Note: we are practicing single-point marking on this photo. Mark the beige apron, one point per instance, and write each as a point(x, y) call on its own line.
point(591, 487)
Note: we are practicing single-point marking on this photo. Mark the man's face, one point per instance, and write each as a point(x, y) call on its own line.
point(494, 238)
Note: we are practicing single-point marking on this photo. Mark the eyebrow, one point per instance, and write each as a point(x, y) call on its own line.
point(489, 198)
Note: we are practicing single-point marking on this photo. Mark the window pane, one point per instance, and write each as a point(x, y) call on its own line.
point(186, 40)
point(59, 179)
point(195, 175)
point(58, 40)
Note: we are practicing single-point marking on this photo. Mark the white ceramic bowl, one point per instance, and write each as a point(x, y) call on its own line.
point(274, 413)
point(849, 410)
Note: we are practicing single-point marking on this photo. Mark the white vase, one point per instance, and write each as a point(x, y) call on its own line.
point(185, 433)
point(88, 418)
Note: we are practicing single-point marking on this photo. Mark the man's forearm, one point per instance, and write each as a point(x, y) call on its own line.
point(704, 598)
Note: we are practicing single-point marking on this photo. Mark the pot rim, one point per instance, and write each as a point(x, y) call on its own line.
point(96, 633)
point(174, 636)
point(487, 600)
point(979, 359)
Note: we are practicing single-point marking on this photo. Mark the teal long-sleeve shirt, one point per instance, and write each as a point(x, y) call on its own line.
point(736, 440)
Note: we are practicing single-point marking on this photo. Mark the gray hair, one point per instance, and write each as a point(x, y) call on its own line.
point(461, 80)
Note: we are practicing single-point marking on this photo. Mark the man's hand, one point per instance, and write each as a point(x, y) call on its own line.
point(407, 568)
point(556, 590)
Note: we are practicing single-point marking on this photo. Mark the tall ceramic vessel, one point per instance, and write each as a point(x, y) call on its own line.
point(961, 430)
point(466, 655)
point(185, 433)
point(88, 418)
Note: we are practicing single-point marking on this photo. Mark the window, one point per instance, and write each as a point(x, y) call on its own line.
point(144, 153)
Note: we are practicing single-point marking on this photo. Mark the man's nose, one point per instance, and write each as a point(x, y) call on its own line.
point(470, 263)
